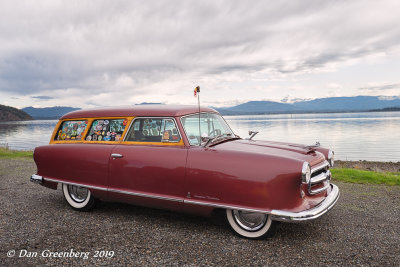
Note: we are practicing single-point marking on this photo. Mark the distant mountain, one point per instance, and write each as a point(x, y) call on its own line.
point(8, 113)
point(149, 103)
point(48, 113)
point(258, 107)
point(357, 103)
point(330, 104)
point(386, 109)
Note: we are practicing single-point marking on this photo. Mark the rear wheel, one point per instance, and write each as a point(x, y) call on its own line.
point(253, 225)
point(79, 198)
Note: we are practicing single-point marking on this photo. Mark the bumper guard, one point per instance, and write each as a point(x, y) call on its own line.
point(314, 213)
point(37, 179)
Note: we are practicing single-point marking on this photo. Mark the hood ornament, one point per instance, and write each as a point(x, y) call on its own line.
point(312, 147)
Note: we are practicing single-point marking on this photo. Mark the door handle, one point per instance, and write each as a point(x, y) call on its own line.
point(116, 155)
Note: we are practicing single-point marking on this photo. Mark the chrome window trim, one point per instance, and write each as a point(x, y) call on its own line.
point(146, 117)
point(204, 112)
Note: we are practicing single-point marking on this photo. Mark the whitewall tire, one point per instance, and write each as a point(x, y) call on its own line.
point(79, 198)
point(251, 225)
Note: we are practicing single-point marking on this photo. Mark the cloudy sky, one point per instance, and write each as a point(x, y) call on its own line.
point(101, 53)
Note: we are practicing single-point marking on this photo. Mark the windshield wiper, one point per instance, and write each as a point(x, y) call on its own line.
point(213, 141)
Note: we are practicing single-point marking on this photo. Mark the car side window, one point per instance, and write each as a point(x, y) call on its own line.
point(71, 130)
point(107, 130)
point(153, 130)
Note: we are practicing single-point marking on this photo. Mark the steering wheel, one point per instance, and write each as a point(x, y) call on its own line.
point(217, 131)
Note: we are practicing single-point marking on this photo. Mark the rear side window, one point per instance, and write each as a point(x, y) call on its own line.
point(107, 130)
point(71, 130)
point(153, 130)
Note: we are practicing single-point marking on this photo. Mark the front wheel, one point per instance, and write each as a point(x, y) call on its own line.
point(79, 198)
point(252, 225)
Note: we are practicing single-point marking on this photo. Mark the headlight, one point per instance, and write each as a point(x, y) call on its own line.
point(331, 156)
point(306, 173)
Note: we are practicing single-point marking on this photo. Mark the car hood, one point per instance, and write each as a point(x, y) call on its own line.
point(276, 149)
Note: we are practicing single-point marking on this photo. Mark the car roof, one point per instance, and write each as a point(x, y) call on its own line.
point(158, 110)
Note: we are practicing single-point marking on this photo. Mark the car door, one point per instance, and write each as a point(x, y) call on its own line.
point(80, 152)
point(148, 167)
point(83, 164)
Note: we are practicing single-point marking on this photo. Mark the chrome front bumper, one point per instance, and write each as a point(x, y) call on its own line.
point(314, 213)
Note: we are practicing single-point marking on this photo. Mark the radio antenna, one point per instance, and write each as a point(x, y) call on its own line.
point(197, 93)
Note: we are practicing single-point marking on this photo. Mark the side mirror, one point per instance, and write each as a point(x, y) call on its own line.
point(252, 134)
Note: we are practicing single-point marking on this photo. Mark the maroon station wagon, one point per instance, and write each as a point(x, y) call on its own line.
point(185, 159)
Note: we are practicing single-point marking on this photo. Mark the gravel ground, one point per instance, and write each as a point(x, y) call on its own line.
point(363, 229)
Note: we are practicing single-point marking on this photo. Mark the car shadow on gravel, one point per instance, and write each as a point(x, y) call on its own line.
point(177, 221)
point(162, 217)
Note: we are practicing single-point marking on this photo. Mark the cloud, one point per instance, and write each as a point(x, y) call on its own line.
point(123, 52)
point(334, 86)
point(384, 90)
point(381, 87)
point(42, 97)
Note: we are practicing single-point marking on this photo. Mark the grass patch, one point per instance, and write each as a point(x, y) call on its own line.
point(366, 177)
point(15, 154)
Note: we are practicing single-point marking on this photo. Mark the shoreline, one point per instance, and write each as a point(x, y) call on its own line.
point(376, 166)
point(306, 112)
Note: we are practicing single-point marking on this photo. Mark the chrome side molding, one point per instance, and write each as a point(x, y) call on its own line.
point(278, 215)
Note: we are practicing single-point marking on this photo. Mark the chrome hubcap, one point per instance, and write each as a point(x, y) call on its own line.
point(250, 221)
point(77, 193)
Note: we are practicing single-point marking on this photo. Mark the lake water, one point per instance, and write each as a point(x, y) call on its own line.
point(353, 136)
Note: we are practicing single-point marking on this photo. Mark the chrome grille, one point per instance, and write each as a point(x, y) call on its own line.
point(319, 174)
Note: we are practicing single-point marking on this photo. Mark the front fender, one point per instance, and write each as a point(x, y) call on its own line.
point(243, 179)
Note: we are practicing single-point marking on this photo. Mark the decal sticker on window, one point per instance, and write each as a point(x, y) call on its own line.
point(71, 130)
point(107, 130)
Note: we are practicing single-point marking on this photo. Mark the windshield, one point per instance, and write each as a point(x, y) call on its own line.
point(211, 126)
